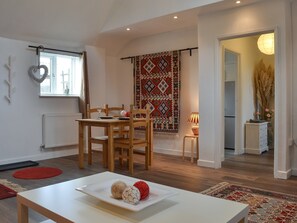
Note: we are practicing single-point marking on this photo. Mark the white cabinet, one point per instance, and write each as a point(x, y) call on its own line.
point(256, 138)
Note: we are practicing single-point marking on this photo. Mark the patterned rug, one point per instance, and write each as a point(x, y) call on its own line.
point(9, 189)
point(265, 206)
point(157, 84)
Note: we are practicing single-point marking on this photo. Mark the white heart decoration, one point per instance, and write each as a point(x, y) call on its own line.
point(33, 70)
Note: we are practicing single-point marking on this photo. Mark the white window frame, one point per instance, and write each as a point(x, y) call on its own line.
point(74, 91)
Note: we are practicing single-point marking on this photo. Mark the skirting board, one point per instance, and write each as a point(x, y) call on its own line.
point(256, 150)
point(42, 156)
point(206, 163)
point(168, 151)
point(294, 172)
point(283, 174)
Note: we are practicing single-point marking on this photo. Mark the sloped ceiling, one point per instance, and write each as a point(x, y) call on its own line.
point(75, 23)
point(126, 12)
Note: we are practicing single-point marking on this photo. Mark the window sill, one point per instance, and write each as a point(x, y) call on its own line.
point(58, 96)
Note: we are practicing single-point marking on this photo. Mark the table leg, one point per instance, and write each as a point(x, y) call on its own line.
point(151, 142)
point(80, 145)
point(184, 142)
point(90, 155)
point(192, 150)
point(22, 213)
point(110, 149)
point(197, 148)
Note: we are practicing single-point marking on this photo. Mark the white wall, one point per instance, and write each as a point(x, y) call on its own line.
point(21, 121)
point(97, 75)
point(258, 17)
point(120, 84)
point(294, 82)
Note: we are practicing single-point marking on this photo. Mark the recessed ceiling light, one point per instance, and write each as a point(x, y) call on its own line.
point(128, 29)
point(237, 2)
point(175, 17)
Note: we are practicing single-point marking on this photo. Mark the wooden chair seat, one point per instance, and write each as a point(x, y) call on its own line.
point(99, 138)
point(103, 138)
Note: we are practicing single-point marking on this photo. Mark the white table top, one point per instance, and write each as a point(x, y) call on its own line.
point(187, 207)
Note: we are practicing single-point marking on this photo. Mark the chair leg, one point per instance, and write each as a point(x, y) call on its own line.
point(121, 156)
point(104, 155)
point(89, 152)
point(128, 158)
point(184, 142)
point(131, 161)
point(146, 158)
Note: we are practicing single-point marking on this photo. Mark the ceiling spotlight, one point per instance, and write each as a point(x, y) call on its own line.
point(175, 17)
point(128, 29)
point(237, 2)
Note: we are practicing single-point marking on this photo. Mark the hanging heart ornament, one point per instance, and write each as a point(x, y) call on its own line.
point(35, 73)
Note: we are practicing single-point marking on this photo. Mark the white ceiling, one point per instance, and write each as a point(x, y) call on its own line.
point(75, 23)
point(72, 21)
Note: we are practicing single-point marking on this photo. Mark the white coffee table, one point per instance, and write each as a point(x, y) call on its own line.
point(64, 204)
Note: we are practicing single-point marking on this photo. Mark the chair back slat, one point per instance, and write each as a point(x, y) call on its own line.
point(138, 118)
point(139, 124)
point(95, 110)
point(117, 110)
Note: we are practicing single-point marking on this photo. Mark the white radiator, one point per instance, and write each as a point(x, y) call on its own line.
point(59, 129)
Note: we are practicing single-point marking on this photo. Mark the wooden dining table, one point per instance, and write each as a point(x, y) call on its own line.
point(110, 124)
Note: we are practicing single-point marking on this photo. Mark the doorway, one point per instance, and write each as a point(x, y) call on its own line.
point(231, 73)
point(241, 54)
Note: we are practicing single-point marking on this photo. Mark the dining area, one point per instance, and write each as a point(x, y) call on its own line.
point(125, 133)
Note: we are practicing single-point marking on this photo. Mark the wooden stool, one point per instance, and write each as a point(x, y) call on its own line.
point(192, 137)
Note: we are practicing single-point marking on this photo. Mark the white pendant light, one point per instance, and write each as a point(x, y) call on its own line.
point(266, 43)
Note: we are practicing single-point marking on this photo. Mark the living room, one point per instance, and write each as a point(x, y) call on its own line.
point(111, 79)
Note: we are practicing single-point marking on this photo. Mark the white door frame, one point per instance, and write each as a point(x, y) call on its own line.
point(219, 97)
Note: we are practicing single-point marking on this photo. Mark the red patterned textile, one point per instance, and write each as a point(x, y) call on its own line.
point(157, 84)
point(265, 206)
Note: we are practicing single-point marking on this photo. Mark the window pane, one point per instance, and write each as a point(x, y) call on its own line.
point(64, 74)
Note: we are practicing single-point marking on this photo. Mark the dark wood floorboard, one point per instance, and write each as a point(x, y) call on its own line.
point(248, 170)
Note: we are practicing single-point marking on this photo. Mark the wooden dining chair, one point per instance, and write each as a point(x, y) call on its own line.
point(103, 140)
point(139, 118)
point(96, 139)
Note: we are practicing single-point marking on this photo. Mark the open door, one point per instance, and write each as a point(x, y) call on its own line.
point(231, 117)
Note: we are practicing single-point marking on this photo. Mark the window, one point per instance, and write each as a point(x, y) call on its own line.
point(64, 74)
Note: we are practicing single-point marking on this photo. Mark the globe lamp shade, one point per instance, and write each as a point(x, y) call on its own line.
point(266, 43)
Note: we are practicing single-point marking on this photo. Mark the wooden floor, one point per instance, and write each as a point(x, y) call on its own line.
point(249, 170)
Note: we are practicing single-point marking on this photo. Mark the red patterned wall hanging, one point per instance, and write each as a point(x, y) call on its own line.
point(157, 83)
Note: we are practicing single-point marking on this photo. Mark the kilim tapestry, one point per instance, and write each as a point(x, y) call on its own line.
point(157, 84)
point(265, 206)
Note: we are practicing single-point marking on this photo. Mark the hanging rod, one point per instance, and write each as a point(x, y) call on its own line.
point(58, 50)
point(190, 49)
point(180, 50)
